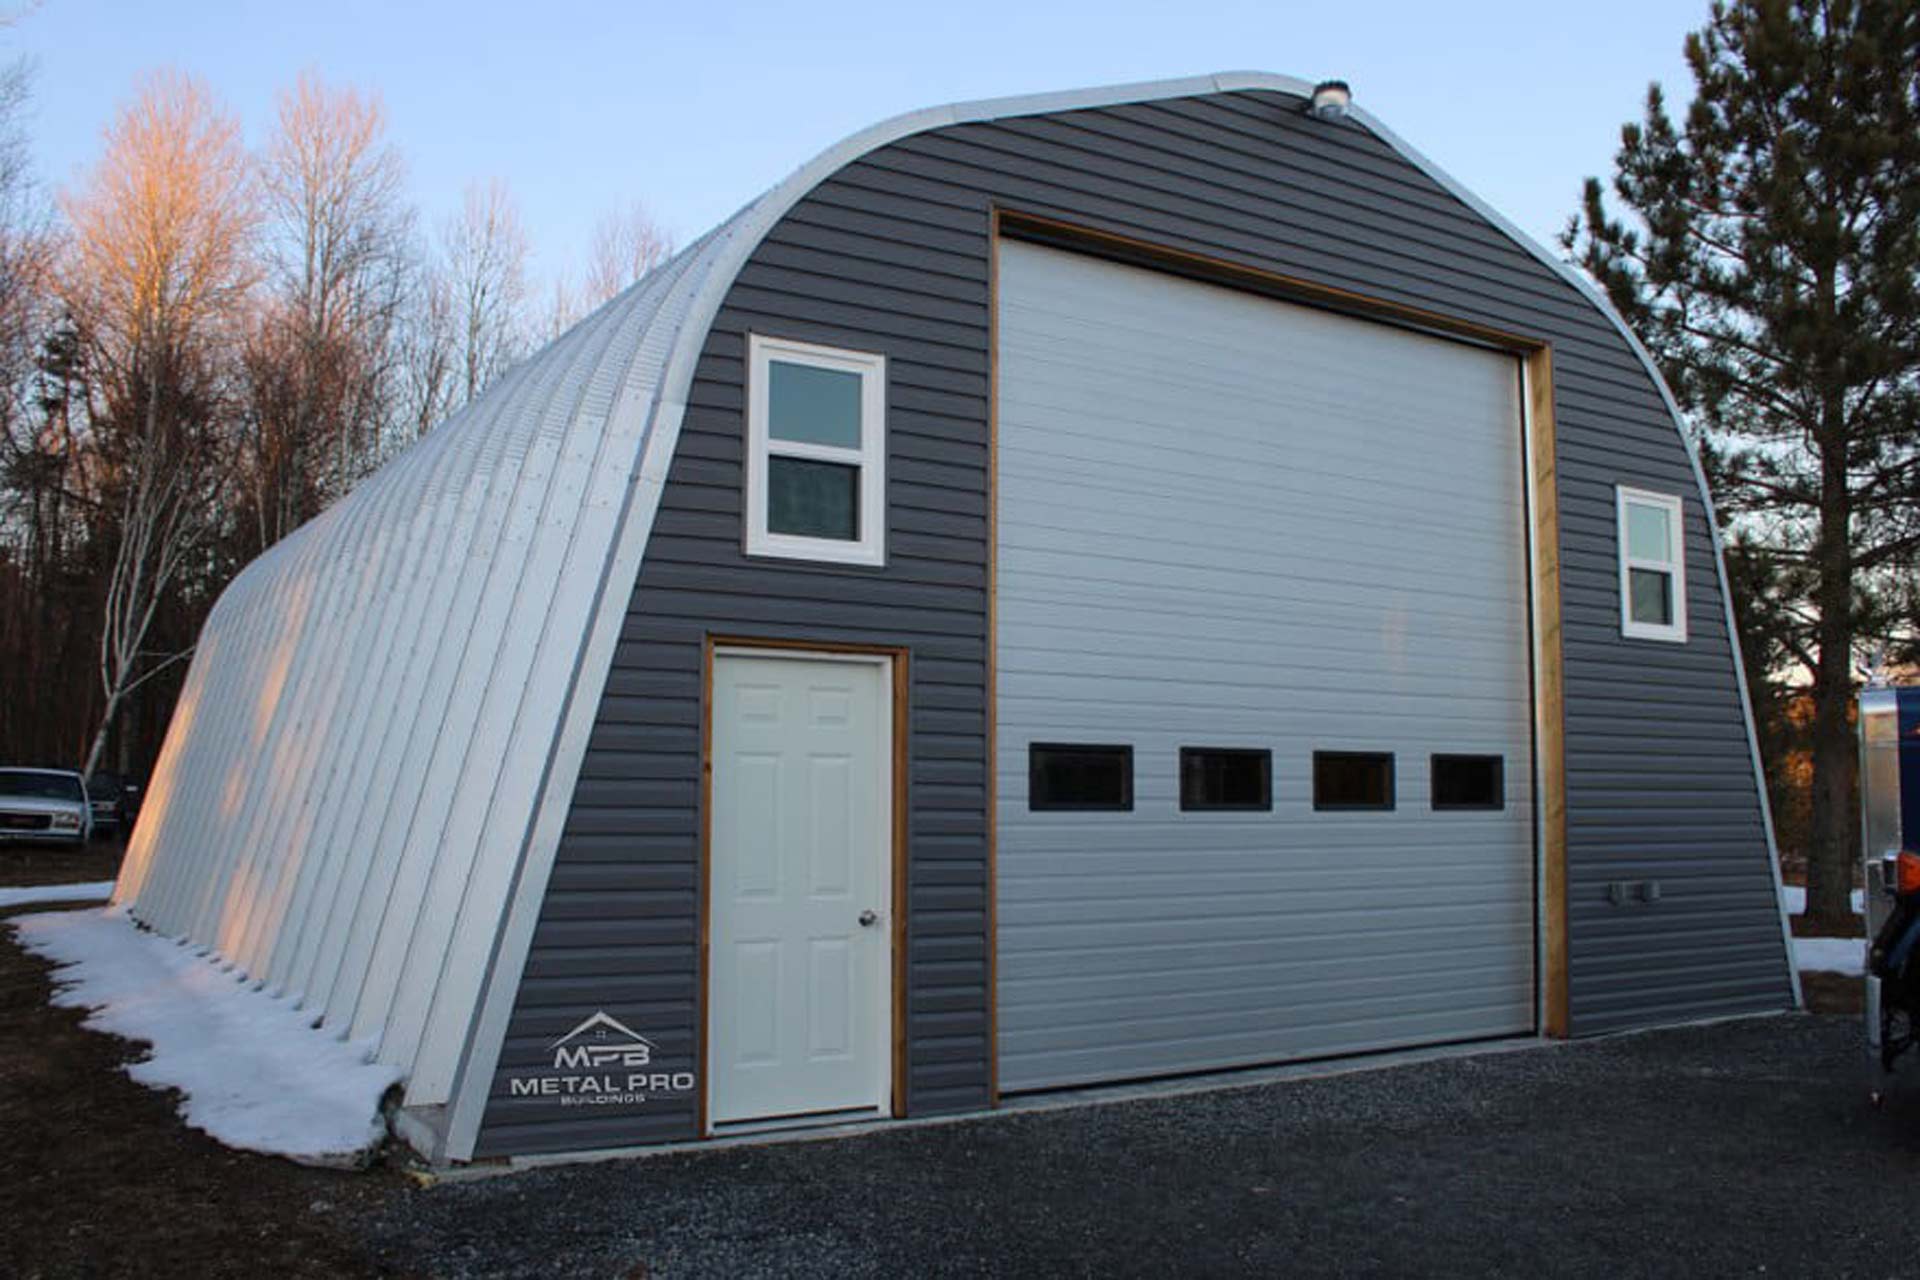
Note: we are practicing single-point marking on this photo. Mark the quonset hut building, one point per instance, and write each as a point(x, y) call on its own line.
point(1064, 589)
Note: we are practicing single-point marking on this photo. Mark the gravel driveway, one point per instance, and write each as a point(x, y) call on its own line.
point(1736, 1148)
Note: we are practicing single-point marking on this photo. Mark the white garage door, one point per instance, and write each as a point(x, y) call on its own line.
point(1230, 524)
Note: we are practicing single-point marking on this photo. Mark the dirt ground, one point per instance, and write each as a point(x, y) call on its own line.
point(1834, 993)
point(26, 864)
point(1805, 928)
point(99, 1177)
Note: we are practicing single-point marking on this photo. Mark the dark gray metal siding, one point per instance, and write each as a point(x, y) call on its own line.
point(891, 255)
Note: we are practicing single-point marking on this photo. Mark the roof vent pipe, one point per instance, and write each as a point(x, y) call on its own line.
point(1329, 101)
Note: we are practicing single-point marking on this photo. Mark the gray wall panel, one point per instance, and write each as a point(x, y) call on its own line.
point(890, 255)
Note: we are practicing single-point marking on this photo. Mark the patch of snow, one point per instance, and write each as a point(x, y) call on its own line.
point(1795, 898)
point(255, 1072)
point(93, 891)
point(1831, 955)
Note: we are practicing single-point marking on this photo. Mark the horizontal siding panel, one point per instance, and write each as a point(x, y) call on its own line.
point(853, 324)
point(562, 932)
point(936, 999)
point(667, 959)
point(592, 878)
point(911, 269)
point(825, 227)
point(908, 211)
point(924, 586)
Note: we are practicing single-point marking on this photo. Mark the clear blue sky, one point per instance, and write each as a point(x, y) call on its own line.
point(695, 108)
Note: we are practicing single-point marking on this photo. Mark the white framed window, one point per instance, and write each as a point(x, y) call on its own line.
point(1653, 566)
point(816, 452)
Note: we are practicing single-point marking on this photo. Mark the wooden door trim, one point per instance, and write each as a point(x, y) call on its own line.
point(1550, 687)
point(991, 691)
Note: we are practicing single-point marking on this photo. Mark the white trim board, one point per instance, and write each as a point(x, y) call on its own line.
point(1674, 566)
point(869, 457)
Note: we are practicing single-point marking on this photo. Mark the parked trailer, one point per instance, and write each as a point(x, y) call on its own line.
point(1890, 844)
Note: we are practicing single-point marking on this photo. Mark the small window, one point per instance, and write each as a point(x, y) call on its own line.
point(816, 452)
point(1653, 568)
point(1469, 782)
point(1352, 780)
point(1074, 776)
point(1225, 778)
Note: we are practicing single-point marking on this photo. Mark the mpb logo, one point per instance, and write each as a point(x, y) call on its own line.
point(601, 1041)
point(601, 1062)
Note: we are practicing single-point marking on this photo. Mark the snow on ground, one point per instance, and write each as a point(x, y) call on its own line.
point(1795, 899)
point(1831, 955)
point(93, 891)
point(254, 1071)
point(1828, 955)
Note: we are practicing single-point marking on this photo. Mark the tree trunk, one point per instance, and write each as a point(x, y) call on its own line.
point(99, 746)
point(1830, 855)
point(130, 744)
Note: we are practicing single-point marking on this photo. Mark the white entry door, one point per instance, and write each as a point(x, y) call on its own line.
point(799, 994)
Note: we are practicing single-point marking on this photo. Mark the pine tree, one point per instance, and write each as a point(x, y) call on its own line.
point(1769, 257)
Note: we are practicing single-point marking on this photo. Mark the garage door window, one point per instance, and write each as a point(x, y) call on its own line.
point(1079, 776)
point(1352, 780)
point(1469, 782)
point(816, 452)
point(1225, 778)
point(1653, 571)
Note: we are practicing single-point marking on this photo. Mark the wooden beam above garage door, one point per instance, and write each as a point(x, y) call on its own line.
point(1142, 253)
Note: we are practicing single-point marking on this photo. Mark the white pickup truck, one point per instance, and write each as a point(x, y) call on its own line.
point(44, 806)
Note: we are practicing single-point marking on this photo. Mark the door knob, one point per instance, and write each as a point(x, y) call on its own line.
point(868, 918)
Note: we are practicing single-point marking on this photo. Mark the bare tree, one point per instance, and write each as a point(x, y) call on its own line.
point(564, 309)
point(26, 249)
point(626, 244)
point(161, 262)
point(167, 503)
point(321, 359)
point(26, 240)
point(38, 453)
point(163, 228)
point(485, 264)
point(214, 348)
point(429, 345)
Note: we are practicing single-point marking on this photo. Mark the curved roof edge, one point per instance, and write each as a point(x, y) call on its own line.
point(725, 253)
